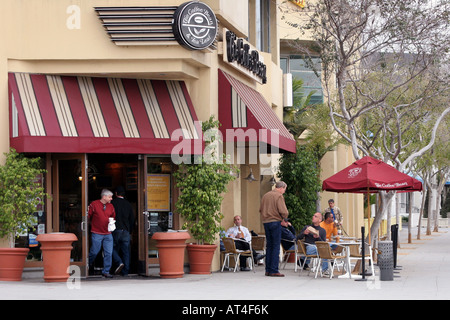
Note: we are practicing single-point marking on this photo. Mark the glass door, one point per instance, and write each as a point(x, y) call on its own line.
point(156, 179)
point(70, 204)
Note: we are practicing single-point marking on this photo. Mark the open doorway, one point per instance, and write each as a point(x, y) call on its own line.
point(109, 171)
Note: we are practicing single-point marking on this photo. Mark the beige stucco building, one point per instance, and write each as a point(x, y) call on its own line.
point(98, 89)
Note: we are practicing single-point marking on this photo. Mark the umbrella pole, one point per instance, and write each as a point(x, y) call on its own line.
point(368, 213)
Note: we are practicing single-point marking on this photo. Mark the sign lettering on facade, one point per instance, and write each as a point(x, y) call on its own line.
point(240, 54)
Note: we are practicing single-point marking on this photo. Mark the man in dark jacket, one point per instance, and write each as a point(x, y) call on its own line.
point(287, 235)
point(124, 227)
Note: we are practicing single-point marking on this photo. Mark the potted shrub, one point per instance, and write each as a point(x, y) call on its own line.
point(202, 184)
point(20, 194)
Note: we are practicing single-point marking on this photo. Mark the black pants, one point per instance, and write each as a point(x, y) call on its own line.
point(243, 245)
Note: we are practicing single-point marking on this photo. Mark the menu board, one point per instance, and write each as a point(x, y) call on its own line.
point(158, 192)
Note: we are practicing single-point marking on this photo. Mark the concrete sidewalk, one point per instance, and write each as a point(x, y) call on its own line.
point(424, 274)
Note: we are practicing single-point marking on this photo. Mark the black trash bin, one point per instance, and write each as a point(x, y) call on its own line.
point(386, 260)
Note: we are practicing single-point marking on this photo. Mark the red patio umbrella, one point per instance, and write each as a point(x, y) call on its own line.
point(369, 175)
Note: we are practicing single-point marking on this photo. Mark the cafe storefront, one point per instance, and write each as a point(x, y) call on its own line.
point(107, 101)
point(93, 133)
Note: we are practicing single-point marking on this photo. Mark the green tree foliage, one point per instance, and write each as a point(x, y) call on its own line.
point(20, 193)
point(301, 172)
point(202, 184)
point(294, 117)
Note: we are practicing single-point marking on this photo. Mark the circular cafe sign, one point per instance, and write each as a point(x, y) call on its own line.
point(194, 25)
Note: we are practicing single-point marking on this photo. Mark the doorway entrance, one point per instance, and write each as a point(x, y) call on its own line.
point(148, 182)
point(69, 212)
point(77, 181)
point(109, 171)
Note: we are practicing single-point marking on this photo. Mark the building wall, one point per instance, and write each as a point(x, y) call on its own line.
point(293, 14)
point(66, 37)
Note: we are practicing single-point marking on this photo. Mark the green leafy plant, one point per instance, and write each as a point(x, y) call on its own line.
point(300, 171)
point(202, 184)
point(20, 193)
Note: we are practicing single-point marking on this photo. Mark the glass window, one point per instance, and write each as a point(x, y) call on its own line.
point(262, 21)
point(309, 70)
point(159, 195)
point(159, 200)
point(284, 64)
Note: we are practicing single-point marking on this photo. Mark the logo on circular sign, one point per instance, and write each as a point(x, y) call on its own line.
point(194, 25)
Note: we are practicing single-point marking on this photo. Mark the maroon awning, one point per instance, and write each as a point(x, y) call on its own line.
point(52, 113)
point(246, 116)
point(369, 175)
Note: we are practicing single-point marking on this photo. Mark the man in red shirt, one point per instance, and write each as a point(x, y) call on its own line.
point(99, 213)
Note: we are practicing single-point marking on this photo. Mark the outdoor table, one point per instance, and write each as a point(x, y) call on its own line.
point(346, 245)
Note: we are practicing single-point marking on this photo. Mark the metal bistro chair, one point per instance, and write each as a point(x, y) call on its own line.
point(259, 245)
point(356, 254)
point(230, 249)
point(287, 254)
point(324, 252)
point(301, 252)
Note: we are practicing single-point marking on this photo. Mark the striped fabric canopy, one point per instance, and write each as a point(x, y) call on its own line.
point(246, 116)
point(52, 113)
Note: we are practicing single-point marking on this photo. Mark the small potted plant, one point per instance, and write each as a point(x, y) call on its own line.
point(20, 194)
point(202, 184)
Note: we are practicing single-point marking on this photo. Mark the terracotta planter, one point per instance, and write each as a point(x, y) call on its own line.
point(56, 249)
point(12, 261)
point(291, 258)
point(171, 247)
point(200, 258)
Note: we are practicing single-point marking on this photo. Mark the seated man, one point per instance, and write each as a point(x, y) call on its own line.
point(337, 215)
point(330, 227)
point(242, 241)
point(311, 234)
point(287, 235)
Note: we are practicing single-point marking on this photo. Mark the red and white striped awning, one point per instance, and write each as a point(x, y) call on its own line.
point(246, 116)
point(52, 113)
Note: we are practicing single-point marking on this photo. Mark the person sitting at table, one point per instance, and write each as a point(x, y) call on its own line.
point(287, 235)
point(330, 227)
point(242, 238)
point(337, 215)
point(311, 234)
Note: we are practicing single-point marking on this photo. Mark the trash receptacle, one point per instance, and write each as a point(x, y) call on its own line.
point(386, 260)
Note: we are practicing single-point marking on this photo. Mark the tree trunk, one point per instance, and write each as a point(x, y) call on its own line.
point(422, 207)
point(410, 221)
point(384, 205)
point(430, 211)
